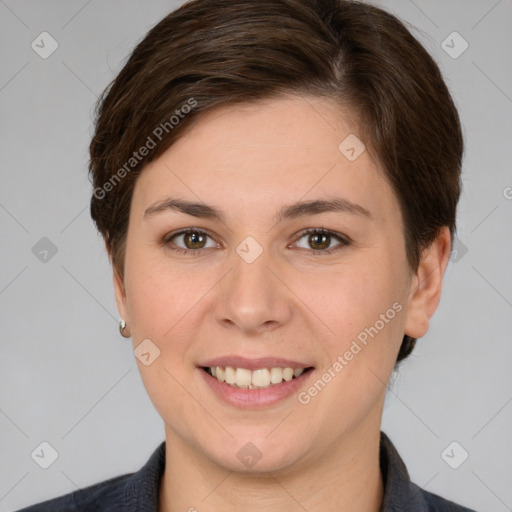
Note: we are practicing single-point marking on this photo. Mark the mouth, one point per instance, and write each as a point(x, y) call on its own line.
point(259, 378)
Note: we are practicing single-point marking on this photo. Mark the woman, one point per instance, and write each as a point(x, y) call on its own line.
point(276, 182)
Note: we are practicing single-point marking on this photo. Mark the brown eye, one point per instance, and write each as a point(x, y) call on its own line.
point(189, 241)
point(319, 241)
point(194, 240)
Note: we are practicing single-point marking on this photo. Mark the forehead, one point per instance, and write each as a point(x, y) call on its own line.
point(297, 128)
point(286, 148)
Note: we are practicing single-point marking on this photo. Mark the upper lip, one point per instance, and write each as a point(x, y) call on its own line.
point(254, 364)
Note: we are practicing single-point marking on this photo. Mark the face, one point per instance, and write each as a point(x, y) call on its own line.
point(260, 282)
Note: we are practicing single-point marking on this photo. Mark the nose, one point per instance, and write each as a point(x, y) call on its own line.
point(252, 298)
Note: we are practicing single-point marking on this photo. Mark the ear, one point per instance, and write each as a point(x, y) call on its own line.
point(119, 289)
point(120, 293)
point(426, 285)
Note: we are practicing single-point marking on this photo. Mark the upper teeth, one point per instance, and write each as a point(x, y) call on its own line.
point(261, 378)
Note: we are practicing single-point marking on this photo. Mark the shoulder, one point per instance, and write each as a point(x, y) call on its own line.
point(435, 503)
point(101, 496)
point(400, 493)
point(132, 492)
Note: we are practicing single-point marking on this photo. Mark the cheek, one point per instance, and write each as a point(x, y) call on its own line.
point(158, 295)
point(364, 306)
point(161, 301)
point(354, 298)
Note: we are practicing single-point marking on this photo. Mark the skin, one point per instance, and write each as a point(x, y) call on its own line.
point(291, 302)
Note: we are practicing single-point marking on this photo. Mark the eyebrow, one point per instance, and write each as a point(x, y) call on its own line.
point(292, 211)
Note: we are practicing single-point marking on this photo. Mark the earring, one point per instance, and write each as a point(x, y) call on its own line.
point(122, 327)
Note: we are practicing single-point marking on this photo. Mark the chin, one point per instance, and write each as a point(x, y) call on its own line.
point(258, 454)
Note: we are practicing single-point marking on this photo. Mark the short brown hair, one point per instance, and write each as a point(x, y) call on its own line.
point(211, 53)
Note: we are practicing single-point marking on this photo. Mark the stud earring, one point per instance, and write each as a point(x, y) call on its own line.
point(122, 327)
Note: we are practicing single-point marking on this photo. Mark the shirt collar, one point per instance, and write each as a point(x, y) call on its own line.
point(399, 492)
point(143, 487)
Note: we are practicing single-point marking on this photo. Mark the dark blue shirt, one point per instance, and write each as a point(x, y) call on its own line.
point(138, 492)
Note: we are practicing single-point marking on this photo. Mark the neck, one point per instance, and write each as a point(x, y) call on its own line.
point(346, 477)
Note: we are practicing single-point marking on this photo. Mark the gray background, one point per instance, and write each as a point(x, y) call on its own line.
point(66, 375)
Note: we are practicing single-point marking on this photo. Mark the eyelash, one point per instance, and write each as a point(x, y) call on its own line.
point(345, 241)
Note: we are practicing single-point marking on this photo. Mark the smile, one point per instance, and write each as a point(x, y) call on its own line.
point(254, 379)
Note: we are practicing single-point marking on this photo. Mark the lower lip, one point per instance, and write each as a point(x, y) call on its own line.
point(254, 398)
